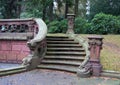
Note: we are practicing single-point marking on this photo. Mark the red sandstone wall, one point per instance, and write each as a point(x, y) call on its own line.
point(13, 51)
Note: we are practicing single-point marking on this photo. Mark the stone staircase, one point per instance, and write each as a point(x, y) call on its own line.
point(63, 54)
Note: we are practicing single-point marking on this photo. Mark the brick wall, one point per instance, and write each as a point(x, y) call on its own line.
point(13, 51)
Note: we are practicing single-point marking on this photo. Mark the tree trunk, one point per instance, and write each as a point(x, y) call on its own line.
point(76, 7)
point(66, 8)
point(50, 12)
point(18, 9)
point(12, 9)
point(8, 9)
point(44, 13)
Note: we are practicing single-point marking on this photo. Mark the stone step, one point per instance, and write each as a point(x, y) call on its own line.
point(62, 62)
point(64, 45)
point(66, 53)
point(57, 36)
point(81, 58)
point(58, 67)
point(12, 70)
point(62, 42)
point(59, 39)
point(66, 49)
point(62, 54)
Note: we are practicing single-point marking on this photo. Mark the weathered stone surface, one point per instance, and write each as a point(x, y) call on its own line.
point(70, 18)
point(15, 36)
point(37, 46)
point(95, 43)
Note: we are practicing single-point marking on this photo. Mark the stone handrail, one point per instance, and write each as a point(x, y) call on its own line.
point(84, 44)
point(37, 46)
point(42, 31)
point(82, 68)
point(16, 25)
point(91, 65)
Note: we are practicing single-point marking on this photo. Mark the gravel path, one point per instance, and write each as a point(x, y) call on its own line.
point(51, 77)
point(39, 77)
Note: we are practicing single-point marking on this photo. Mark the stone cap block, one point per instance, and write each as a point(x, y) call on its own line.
point(15, 36)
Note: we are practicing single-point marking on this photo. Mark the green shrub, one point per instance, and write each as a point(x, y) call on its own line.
point(47, 22)
point(81, 25)
point(57, 26)
point(100, 24)
point(104, 24)
point(1, 17)
point(118, 18)
point(53, 27)
point(63, 26)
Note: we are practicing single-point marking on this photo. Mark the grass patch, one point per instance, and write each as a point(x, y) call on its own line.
point(110, 54)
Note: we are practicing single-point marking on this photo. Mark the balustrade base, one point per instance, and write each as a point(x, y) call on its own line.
point(85, 71)
point(31, 62)
point(96, 67)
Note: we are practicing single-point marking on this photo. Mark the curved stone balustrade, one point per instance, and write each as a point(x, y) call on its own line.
point(16, 25)
point(91, 65)
point(37, 46)
point(15, 33)
point(84, 69)
point(13, 39)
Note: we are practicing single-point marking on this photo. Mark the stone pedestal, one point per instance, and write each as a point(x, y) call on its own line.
point(70, 18)
point(95, 43)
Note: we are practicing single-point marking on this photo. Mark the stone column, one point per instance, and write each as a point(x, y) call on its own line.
point(95, 43)
point(71, 18)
